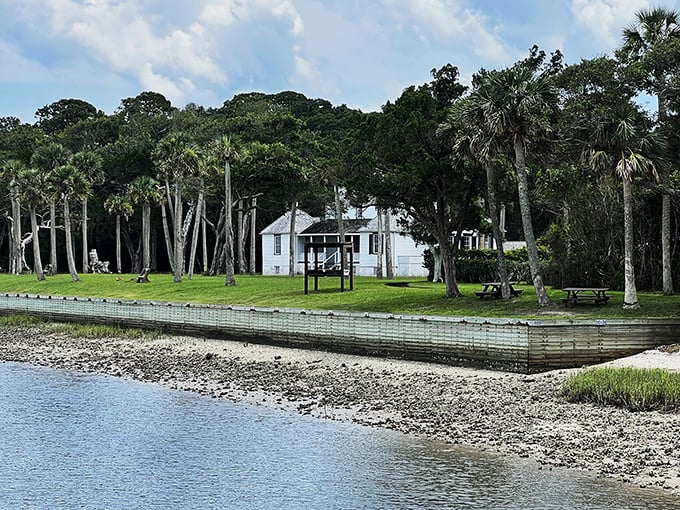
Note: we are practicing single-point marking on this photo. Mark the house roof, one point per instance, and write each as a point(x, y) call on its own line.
point(372, 225)
point(282, 224)
point(331, 227)
point(306, 224)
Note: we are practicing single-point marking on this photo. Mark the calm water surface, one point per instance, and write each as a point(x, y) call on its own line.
point(71, 440)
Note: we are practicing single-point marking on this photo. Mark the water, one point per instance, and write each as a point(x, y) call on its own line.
point(71, 440)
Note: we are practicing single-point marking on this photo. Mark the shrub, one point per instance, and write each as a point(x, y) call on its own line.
point(634, 389)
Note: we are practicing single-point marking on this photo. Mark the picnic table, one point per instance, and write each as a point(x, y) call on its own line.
point(493, 289)
point(597, 295)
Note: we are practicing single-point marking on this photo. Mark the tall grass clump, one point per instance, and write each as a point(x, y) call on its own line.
point(20, 321)
point(83, 330)
point(635, 389)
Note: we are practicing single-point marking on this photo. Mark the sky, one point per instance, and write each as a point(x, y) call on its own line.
point(357, 53)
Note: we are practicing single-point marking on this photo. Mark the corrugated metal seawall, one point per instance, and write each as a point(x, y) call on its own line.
point(565, 344)
point(506, 344)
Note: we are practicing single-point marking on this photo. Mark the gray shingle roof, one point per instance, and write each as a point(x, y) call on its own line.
point(282, 224)
point(331, 227)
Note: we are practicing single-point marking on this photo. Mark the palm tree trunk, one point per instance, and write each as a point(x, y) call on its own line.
point(37, 261)
point(166, 235)
point(291, 240)
point(242, 220)
point(496, 228)
point(53, 238)
point(630, 300)
point(253, 236)
point(341, 224)
point(179, 237)
point(70, 258)
point(83, 224)
point(16, 231)
point(230, 280)
point(389, 265)
point(119, 257)
point(194, 234)
point(146, 235)
point(204, 240)
point(667, 273)
point(527, 224)
point(381, 245)
point(215, 266)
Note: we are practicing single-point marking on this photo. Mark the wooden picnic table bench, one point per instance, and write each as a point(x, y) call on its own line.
point(576, 295)
point(494, 289)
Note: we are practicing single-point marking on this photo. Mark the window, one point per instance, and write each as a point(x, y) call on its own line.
point(356, 243)
point(468, 242)
point(374, 244)
point(277, 244)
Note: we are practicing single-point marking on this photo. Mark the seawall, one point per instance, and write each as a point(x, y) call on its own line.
point(516, 345)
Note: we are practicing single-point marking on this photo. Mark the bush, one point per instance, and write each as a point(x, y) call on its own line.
point(476, 266)
point(634, 389)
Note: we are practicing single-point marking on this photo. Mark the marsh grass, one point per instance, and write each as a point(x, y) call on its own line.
point(97, 330)
point(74, 328)
point(635, 389)
point(19, 321)
point(416, 296)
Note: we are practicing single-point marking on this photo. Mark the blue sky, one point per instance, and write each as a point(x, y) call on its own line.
point(358, 53)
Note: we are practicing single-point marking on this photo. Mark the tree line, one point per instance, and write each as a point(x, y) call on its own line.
point(586, 173)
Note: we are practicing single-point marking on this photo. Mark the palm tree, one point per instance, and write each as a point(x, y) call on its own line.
point(652, 45)
point(470, 140)
point(176, 158)
point(206, 167)
point(620, 144)
point(47, 158)
point(515, 103)
point(11, 171)
point(70, 183)
point(120, 206)
point(225, 151)
point(144, 191)
point(90, 165)
point(32, 185)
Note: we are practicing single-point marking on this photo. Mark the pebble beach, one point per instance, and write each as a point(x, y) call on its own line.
point(506, 413)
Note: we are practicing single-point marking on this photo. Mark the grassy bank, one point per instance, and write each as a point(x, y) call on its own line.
point(635, 389)
point(410, 296)
point(75, 329)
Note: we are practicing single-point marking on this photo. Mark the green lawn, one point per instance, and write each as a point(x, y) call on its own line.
point(420, 297)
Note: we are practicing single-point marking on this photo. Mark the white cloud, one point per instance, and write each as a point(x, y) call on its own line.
point(445, 21)
point(232, 12)
point(605, 19)
point(123, 37)
point(17, 67)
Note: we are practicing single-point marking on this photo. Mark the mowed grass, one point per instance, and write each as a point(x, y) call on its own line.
point(635, 389)
point(411, 295)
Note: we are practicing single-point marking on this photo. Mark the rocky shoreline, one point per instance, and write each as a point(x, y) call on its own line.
point(501, 412)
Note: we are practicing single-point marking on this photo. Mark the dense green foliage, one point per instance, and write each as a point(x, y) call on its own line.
point(580, 170)
point(635, 389)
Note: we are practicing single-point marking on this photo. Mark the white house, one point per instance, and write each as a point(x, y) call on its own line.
point(407, 257)
point(276, 245)
point(362, 232)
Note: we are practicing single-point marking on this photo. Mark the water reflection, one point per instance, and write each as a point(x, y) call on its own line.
point(71, 440)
